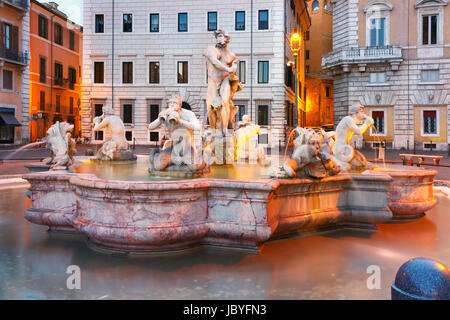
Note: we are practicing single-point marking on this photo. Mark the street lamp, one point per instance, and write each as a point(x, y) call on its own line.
point(295, 48)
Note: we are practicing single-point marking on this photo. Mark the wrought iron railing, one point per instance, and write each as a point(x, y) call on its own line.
point(12, 55)
point(19, 3)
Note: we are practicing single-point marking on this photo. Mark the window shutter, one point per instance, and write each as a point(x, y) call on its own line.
point(2, 35)
point(15, 39)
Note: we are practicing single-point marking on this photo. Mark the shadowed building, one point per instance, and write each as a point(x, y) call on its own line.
point(14, 94)
point(393, 56)
point(55, 69)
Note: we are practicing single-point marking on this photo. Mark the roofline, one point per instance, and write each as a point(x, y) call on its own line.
point(57, 13)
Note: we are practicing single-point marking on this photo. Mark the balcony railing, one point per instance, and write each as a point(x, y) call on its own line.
point(23, 4)
point(362, 55)
point(13, 56)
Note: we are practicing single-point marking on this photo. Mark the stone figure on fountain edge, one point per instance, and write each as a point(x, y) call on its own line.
point(116, 129)
point(223, 83)
point(179, 151)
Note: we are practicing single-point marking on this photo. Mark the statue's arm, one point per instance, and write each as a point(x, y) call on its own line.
point(101, 125)
point(211, 56)
point(359, 130)
point(190, 123)
point(155, 124)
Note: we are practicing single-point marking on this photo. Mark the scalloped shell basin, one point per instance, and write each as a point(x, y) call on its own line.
point(121, 208)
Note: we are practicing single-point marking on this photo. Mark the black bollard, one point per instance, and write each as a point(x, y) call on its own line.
point(421, 279)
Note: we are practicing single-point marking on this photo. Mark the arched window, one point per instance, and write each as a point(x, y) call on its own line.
point(325, 5)
point(315, 5)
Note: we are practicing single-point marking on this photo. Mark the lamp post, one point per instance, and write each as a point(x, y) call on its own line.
point(295, 48)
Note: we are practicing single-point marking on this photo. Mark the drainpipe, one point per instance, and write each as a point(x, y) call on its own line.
point(251, 60)
point(112, 67)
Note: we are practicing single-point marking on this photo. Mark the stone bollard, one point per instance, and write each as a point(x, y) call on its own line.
point(421, 279)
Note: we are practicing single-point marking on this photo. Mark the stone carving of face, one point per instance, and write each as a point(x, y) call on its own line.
point(221, 39)
point(175, 103)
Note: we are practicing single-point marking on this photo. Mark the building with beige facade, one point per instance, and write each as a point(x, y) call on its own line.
point(138, 53)
point(319, 85)
point(14, 71)
point(393, 56)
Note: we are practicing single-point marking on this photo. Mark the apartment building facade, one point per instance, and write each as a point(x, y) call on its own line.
point(55, 69)
point(393, 56)
point(14, 91)
point(138, 53)
point(319, 85)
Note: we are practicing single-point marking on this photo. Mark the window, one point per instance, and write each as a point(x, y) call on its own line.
point(58, 74)
point(154, 72)
point(263, 19)
point(212, 21)
point(307, 35)
point(8, 77)
point(377, 77)
point(99, 23)
point(239, 24)
point(72, 40)
point(315, 5)
point(6, 36)
point(154, 22)
point(71, 105)
point(307, 54)
point(98, 110)
point(72, 78)
point(328, 112)
point(328, 92)
point(430, 122)
point(182, 72)
point(263, 115)
point(42, 100)
point(240, 113)
point(429, 29)
point(325, 5)
point(377, 32)
point(430, 76)
point(307, 69)
point(58, 34)
point(127, 22)
point(240, 73)
point(154, 136)
point(127, 72)
point(99, 68)
point(154, 112)
point(42, 70)
point(43, 27)
point(263, 71)
point(182, 22)
point(129, 135)
point(58, 104)
point(379, 124)
point(331, 7)
point(127, 113)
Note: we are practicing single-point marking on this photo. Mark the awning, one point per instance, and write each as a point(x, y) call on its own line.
point(9, 119)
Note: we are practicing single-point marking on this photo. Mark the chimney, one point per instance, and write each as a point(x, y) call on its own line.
point(54, 5)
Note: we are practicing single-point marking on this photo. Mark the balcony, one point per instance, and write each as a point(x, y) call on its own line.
point(21, 5)
point(11, 56)
point(361, 56)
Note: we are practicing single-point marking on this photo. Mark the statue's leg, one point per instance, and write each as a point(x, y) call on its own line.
point(162, 160)
point(225, 92)
point(212, 117)
point(359, 160)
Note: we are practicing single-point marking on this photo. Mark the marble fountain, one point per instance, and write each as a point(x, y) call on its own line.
point(224, 191)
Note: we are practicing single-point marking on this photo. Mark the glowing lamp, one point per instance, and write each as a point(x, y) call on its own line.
point(295, 43)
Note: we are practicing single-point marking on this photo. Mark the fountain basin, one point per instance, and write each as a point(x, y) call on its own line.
point(153, 216)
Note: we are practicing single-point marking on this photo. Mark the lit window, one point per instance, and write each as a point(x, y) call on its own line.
point(429, 122)
point(182, 72)
point(430, 76)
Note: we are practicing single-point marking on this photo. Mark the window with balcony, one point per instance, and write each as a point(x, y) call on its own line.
point(212, 21)
point(430, 76)
point(6, 36)
point(99, 23)
point(58, 34)
point(377, 32)
point(154, 22)
point(99, 72)
point(153, 72)
point(127, 72)
point(42, 70)
point(43, 27)
point(263, 19)
point(182, 22)
point(183, 76)
point(72, 78)
point(239, 24)
point(378, 23)
point(127, 24)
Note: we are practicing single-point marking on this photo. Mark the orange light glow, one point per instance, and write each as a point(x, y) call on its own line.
point(441, 266)
point(295, 43)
